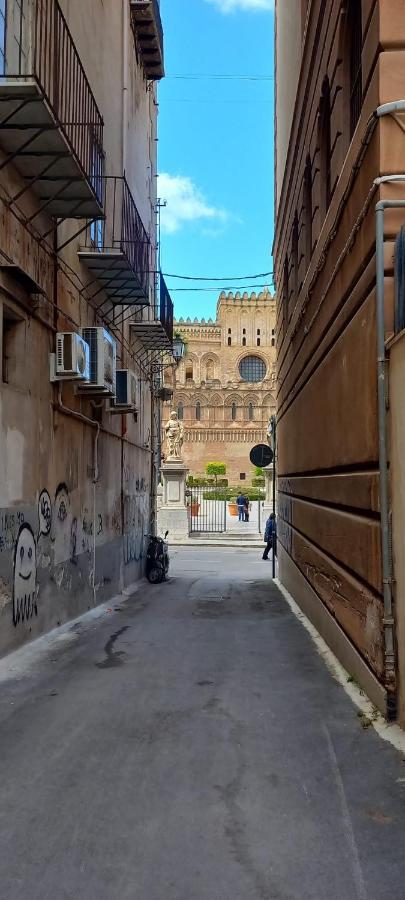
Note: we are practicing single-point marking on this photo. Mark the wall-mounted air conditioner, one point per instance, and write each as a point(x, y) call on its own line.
point(103, 356)
point(126, 396)
point(71, 362)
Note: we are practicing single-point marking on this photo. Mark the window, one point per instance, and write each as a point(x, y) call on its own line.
point(258, 331)
point(96, 232)
point(180, 411)
point(308, 211)
point(229, 330)
point(258, 342)
point(3, 13)
point(273, 331)
point(13, 349)
point(198, 411)
point(243, 342)
point(244, 331)
point(325, 146)
point(250, 412)
point(242, 476)
point(233, 412)
point(355, 31)
point(229, 342)
point(273, 343)
point(189, 372)
point(252, 369)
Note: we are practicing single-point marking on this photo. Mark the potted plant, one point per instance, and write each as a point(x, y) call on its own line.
point(193, 505)
point(233, 507)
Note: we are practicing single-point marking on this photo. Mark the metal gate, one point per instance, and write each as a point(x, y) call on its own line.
point(207, 511)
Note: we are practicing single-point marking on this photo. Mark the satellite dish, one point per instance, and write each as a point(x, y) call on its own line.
point(261, 455)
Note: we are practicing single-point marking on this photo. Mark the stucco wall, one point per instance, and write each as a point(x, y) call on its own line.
point(75, 481)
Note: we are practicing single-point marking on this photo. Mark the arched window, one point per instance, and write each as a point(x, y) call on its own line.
point(325, 146)
point(229, 342)
point(233, 411)
point(243, 342)
point(180, 411)
point(355, 34)
point(198, 411)
point(210, 370)
point(250, 412)
point(257, 342)
point(308, 211)
point(189, 371)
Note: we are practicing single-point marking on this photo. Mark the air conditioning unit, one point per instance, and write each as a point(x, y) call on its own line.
point(126, 397)
point(71, 362)
point(103, 356)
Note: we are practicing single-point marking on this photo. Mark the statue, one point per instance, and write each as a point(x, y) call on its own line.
point(175, 436)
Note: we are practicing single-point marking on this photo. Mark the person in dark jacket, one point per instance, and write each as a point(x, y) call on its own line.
point(270, 535)
point(240, 502)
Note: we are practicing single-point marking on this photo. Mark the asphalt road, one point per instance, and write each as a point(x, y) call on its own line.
point(191, 745)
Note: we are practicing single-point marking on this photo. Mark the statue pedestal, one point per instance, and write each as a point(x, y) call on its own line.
point(172, 515)
point(268, 500)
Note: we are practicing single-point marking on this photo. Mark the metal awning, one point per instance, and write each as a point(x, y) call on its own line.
point(33, 139)
point(152, 335)
point(115, 275)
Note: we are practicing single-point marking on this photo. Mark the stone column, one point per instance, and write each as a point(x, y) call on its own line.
point(172, 515)
point(268, 500)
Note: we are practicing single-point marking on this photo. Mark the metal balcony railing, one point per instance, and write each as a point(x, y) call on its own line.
point(117, 249)
point(50, 123)
point(157, 333)
point(148, 31)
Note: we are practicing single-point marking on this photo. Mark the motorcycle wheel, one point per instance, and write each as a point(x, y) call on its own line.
point(155, 575)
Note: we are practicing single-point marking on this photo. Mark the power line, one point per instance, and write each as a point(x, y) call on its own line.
point(214, 290)
point(200, 76)
point(222, 278)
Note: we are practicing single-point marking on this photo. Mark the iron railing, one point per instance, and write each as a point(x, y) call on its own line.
point(40, 46)
point(166, 309)
point(122, 230)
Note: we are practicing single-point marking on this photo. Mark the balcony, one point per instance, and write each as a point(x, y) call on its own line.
point(148, 31)
point(157, 334)
point(117, 249)
point(50, 126)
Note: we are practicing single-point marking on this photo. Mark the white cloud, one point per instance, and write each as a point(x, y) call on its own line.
point(185, 203)
point(228, 6)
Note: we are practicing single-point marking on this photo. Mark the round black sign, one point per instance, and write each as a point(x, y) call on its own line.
point(261, 455)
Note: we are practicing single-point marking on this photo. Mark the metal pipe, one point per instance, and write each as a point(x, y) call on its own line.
point(388, 620)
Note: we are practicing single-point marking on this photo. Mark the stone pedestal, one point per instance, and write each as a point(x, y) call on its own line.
point(268, 500)
point(172, 515)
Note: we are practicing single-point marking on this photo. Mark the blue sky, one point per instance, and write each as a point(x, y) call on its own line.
point(216, 145)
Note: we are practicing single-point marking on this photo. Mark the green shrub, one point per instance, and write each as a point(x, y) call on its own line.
point(215, 468)
point(258, 481)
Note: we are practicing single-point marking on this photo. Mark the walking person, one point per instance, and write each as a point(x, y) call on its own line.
point(240, 502)
point(270, 535)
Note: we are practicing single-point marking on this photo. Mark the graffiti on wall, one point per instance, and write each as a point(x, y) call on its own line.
point(44, 513)
point(10, 523)
point(25, 576)
point(136, 520)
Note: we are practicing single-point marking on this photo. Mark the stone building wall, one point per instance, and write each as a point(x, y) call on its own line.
point(224, 415)
point(336, 143)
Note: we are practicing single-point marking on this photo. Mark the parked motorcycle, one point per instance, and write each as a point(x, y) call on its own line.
point(157, 559)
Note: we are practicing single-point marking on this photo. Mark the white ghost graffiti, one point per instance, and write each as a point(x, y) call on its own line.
point(25, 576)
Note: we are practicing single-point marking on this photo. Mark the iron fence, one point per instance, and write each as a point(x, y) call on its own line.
point(207, 510)
point(39, 46)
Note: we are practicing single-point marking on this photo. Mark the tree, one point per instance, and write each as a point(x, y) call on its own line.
point(215, 468)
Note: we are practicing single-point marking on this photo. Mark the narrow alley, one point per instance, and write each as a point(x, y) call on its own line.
point(188, 743)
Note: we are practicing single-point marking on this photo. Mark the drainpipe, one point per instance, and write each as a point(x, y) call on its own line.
point(388, 621)
point(126, 25)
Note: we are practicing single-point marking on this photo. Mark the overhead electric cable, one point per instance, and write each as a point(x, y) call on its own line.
point(215, 278)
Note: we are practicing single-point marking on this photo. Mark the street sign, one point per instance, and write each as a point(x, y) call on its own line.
point(261, 455)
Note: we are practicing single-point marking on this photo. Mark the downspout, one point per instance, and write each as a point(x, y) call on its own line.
point(388, 620)
point(126, 25)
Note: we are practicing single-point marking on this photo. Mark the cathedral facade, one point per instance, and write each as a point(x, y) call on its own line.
point(224, 387)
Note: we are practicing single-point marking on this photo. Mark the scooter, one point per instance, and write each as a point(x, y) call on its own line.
point(157, 559)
